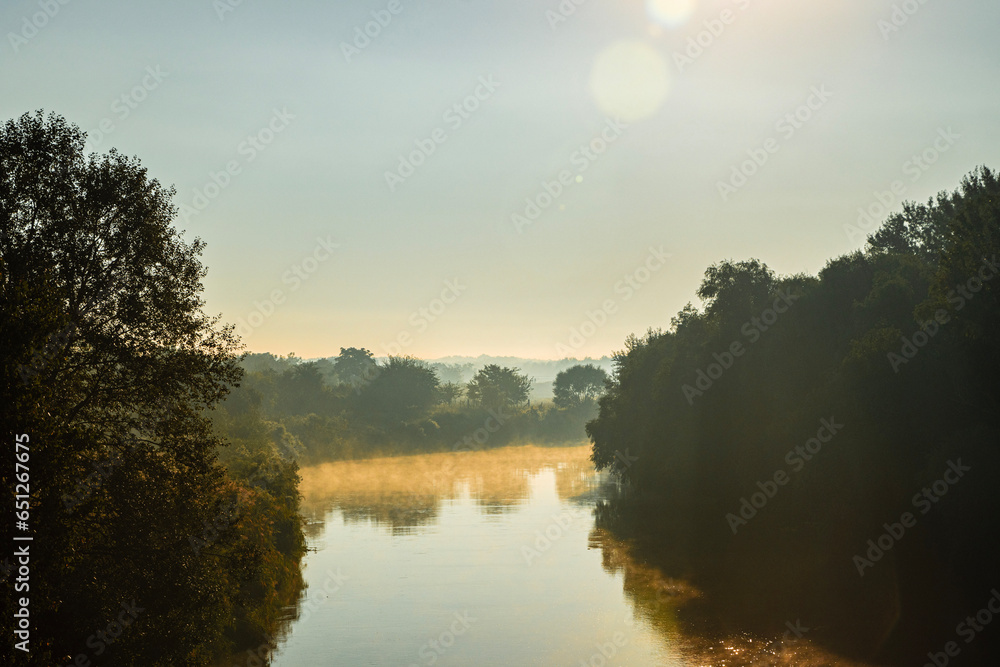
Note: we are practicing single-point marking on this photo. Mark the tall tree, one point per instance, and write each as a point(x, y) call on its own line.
point(578, 385)
point(891, 354)
point(449, 392)
point(499, 387)
point(403, 390)
point(109, 365)
point(301, 390)
point(355, 366)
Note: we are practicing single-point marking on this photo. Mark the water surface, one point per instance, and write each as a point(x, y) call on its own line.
point(489, 558)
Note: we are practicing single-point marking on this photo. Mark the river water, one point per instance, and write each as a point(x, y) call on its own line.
point(489, 558)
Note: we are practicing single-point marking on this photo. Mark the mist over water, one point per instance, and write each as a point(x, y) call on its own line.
point(494, 558)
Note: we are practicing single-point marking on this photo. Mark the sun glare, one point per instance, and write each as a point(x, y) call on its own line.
point(671, 13)
point(630, 80)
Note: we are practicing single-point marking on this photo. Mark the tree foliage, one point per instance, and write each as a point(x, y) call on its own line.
point(579, 385)
point(403, 390)
point(109, 364)
point(899, 345)
point(355, 366)
point(499, 387)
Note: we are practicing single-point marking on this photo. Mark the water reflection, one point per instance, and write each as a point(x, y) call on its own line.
point(508, 537)
point(688, 620)
point(404, 492)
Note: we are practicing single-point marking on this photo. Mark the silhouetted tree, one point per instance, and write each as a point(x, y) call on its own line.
point(892, 353)
point(578, 385)
point(108, 360)
point(301, 390)
point(403, 389)
point(355, 366)
point(449, 392)
point(499, 387)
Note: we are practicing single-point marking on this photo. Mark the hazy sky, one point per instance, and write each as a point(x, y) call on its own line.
point(314, 247)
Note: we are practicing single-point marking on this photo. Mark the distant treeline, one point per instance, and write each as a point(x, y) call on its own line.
point(355, 406)
point(826, 448)
point(542, 371)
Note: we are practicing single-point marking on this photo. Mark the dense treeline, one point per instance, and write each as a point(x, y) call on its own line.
point(145, 549)
point(767, 437)
point(355, 406)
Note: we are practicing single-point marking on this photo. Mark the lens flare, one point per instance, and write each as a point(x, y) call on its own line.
point(671, 13)
point(629, 80)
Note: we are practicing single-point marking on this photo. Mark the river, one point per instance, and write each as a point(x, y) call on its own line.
point(491, 558)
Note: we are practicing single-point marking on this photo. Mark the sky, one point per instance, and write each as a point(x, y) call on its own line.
point(528, 178)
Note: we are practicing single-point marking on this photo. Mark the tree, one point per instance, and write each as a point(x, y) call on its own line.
point(898, 345)
point(578, 385)
point(355, 366)
point(265, 361)
point(110, 364)
point(301, 390)
point(449, 392)
point(404, 389)
point(736, 291)
point(499, 387)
